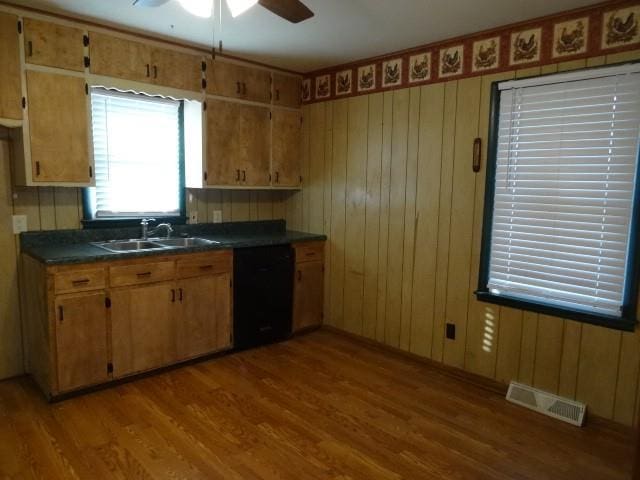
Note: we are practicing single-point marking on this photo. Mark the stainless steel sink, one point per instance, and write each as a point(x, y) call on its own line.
point(129, 245)
point(137, 245)
point(185, 242)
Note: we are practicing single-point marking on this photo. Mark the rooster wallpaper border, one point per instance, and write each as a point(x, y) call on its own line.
point(600, 29)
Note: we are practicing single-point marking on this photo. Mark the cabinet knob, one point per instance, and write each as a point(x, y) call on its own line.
point(244, 175)
point(148, 71)
point(155, 71)
point(30, 48)
point(238, 88)
point(277, 177)
point(237, 175)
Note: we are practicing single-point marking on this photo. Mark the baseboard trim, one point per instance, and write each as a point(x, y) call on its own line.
point(479, 381)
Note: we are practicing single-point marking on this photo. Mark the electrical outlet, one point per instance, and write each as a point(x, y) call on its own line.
point(19, 223)
point(194, 218)
point(217, 216)
point(451, 331)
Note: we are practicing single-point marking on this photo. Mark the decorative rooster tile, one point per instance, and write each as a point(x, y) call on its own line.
point(367, 78)
point(486, 54)
point(570, 38)
point(420, 67)
point(451, 61)
point(323, 89)
point(620, 27)
point(392, 72)
point(305, 90)
point(525, 46)
point(343, 82)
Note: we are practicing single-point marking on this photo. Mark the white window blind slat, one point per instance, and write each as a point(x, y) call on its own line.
point(137, 154)
point(566, 166)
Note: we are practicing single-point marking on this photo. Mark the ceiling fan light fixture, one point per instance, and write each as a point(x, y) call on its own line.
point(238, 7)
point(199, 8)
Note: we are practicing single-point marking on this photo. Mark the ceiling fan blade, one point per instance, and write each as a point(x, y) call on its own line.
point(149, 3)
point(293, 10)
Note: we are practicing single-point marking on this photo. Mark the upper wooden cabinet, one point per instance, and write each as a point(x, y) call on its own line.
point(58, 129)
point(53, 45)
point(117, 57)
point(237, 144)
point(237, 81)
point(121, 58)
point(10, 84)
point(286, 90)
point(286, 148)
point(176, 69)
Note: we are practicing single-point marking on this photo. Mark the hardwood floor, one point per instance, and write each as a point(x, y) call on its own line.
point(320, 406)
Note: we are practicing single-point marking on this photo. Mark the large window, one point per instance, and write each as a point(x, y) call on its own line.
point(137, 149)
point(561, 207)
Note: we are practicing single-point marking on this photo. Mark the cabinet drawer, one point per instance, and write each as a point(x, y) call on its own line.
point(196, 265)
point(80, 280)
point(309, 251)
point(141, 273)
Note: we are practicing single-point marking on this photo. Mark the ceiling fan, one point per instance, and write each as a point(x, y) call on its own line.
point(292, 10)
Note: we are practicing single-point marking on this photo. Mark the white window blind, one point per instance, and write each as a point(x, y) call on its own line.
point(136, 140)
point(565, 177)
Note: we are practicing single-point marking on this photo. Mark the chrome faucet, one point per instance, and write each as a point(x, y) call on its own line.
point(145, 227)
point(166, 226)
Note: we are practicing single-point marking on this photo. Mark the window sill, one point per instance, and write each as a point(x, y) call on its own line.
point(128, 222)
point(614, 323)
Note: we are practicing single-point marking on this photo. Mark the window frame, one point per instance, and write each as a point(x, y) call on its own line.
point(89, 222)
point(628, 319)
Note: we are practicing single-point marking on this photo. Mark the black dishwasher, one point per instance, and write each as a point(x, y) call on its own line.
point(262, 295)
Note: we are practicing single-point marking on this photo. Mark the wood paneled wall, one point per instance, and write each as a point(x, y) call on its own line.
point(61, 208)
point(388, 178)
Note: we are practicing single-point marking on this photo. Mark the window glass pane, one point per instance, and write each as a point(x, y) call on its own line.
point(137, 154)
point(566, 164)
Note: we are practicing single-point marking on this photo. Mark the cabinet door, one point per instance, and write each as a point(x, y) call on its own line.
point(53, 45)
point(308, 295)
point(176, 69)
point(58, 128)
point(81, 340)
point(120, 58)
point(236, 81)
point(10, 85)
point(286, 90)
point(256, 84)
point(237, 144)
point(204, 321)
point(143, 328)
point(287, 148)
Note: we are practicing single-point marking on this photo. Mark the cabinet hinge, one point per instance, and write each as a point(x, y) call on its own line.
point(85, 40)
point(37, 169)
point(107, 302)
point(205, 176)
point(19, 27)
point(204, 106)
point(90, 172)
point(24, 102)
point(204, 66)
point(204, 84)
point(86, 89)
point(87, 62)
point(109, 367)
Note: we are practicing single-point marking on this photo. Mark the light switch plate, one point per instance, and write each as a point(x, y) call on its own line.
point(19, 223)
point(217, 216)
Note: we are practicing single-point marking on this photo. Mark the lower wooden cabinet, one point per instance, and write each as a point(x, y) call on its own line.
point(121, 318)
point(143, 328)
point(81, 340)
point(204, 319)
point(308, 293)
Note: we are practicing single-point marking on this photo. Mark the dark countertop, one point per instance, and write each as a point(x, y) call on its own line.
point(74, 246)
